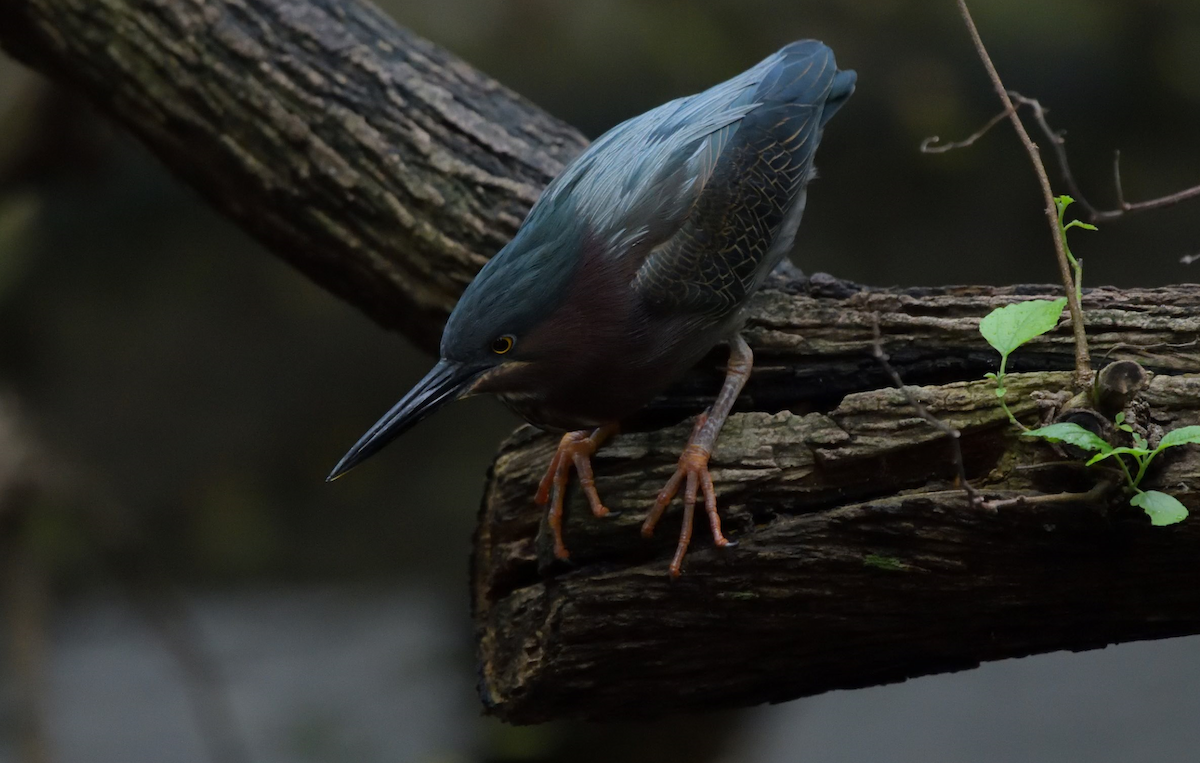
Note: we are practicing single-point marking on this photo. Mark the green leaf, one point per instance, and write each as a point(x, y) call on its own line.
point(1078, 224)
point(1162, 509)
point(1007, 328)
point(1072, 434)
point(1181, 436)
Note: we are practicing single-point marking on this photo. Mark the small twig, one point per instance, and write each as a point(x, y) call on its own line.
point(1094, 214)
point(1060, 148)
point(931, 145)
point(1058, 141)
point(1146, 348)
point(1093, 496)
point(1142, 206)
point(1083, 365)
point(1079, 465)
point(1116, 178)
point(953, 434)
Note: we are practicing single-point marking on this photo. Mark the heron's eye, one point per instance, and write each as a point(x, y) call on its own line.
point(502, 344)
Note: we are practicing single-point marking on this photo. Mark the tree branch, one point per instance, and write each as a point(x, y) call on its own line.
point(374, 161)
point(860, 560)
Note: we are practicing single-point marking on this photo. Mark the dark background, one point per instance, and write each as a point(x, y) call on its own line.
point(194, 390)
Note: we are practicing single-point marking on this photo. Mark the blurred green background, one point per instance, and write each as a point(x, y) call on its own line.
point(198, 389)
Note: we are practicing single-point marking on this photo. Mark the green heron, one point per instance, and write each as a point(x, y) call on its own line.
point(634, 263)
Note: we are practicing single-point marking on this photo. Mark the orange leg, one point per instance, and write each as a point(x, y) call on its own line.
point(575, 448)
point(692, 471)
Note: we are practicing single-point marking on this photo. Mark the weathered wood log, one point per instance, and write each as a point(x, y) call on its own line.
point(372, 160)
point(387, 170)
point(859, 562)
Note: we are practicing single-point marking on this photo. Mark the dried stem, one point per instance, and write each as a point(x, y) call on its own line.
point(1093, 214)
point(1094, 496)
point(932, 145)
point(1083, 366)
point(954, 436)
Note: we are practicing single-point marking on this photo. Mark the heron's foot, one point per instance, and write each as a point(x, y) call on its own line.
point(575, 448)
point(693, 474)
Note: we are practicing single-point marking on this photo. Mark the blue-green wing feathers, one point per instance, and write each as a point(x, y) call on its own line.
point(750, 188)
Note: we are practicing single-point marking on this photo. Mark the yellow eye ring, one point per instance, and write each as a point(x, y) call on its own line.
point(502, 344)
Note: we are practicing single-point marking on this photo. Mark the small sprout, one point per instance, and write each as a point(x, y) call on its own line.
point(1011, 326)
point(1007, 328)
point(1162, 509)
point(1062, 202)
point(1000, 389)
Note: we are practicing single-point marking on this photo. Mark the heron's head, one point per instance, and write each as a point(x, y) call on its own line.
point(482, 345)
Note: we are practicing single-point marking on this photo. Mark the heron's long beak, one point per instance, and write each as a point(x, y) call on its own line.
point(446, 381)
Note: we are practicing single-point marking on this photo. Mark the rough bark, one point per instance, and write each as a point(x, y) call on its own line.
point(374, 161)
point(859, 562)
point(388, 171)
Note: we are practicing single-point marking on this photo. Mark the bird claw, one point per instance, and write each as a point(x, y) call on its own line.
point(574, 449)
point(693, 467)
